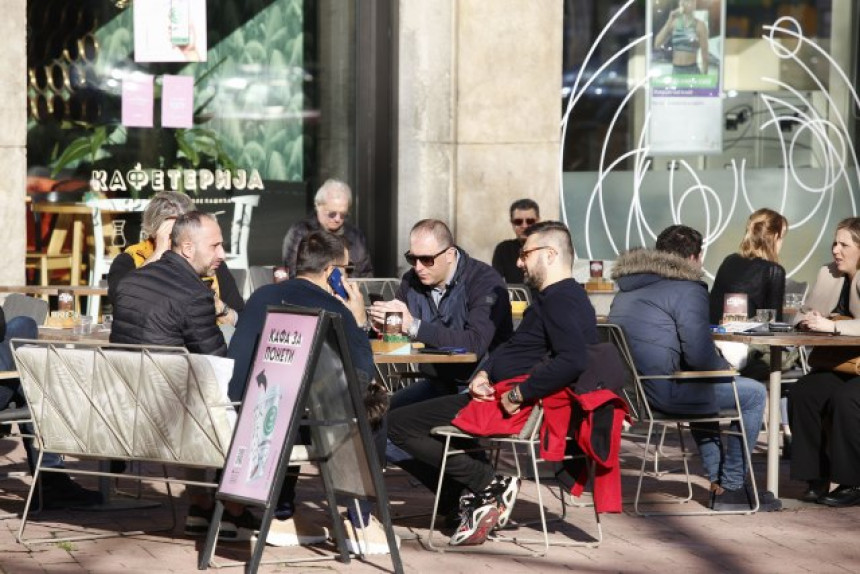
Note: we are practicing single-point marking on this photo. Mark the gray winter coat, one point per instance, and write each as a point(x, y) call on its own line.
point(662, 306)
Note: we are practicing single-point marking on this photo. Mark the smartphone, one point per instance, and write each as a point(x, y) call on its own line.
point(336, 282)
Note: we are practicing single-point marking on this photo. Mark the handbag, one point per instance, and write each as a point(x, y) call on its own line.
point(839, 359)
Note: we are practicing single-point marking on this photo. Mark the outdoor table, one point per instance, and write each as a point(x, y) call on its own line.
point(45, 290)
point(66, 335)
point(777, 342)
point(392, 354)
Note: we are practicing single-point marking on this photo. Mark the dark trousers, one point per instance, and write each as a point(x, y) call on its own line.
point(824, 410)
point(409, 428)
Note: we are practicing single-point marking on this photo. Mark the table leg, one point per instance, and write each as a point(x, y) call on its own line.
point(773, 422)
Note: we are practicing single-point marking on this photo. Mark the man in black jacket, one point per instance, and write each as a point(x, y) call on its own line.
point(167, 302)
point(550, 346)
point(447, 299)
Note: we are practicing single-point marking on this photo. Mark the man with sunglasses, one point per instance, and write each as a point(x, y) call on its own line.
point(524, 214)
point(447, 299)
point(332, 203)
point(550, 347)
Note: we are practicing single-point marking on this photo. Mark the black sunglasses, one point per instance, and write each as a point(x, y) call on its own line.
point(426, 260)
point(528, 221)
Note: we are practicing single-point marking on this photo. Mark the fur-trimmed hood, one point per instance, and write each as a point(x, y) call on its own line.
point(661, 263)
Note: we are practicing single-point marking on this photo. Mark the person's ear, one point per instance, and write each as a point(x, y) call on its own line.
point(187, 249)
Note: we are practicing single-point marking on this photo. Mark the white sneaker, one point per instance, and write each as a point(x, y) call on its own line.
point(295, 531)
point(368, 540)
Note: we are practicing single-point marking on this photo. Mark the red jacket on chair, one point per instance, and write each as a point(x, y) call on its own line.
point(599, 415)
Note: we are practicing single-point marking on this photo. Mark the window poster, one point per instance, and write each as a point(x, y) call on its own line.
point(685, 69)
point(170, 31)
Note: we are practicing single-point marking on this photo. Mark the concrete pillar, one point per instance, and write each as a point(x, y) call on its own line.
point(13, 141)
point(480, 105)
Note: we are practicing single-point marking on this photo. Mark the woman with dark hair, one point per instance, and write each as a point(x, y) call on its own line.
point(825, 404)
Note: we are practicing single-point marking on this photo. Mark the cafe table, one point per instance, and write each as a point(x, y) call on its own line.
point(777, 342)
point(98, 334)
point(391, 355)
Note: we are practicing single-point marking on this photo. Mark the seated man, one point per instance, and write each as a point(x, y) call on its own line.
point(662, 305)
point(524, 214)
point(319, 254)
point(332, 202)
point(58, 489)
point(550, 346)
point(447, 299)
point(168, 302)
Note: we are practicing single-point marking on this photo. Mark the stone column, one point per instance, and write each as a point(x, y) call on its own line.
point(13, 141)
point(480, 105)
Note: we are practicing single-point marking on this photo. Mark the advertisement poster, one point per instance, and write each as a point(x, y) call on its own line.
point(137, 100)
point(685, 64)
point(170, 31)
point(276, 376)
point(177, 101)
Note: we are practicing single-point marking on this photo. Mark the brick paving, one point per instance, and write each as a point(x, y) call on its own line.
point(801, 538)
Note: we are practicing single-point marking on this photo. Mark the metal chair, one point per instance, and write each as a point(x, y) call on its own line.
point(529, 438)
point(259, 275)
point(655, 418)
point(19, 305)
point(519, 292)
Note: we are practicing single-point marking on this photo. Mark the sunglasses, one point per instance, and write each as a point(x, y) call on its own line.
point(426, 260)
point(528, 221)
point(348, 268)
point(524, 253)
point(336, 214)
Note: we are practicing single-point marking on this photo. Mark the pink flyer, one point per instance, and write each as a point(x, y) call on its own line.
point(177, 101)
point(137, 100)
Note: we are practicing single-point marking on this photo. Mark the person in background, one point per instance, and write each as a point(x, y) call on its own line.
point(524, 213)
point(755, 269)
point(58, 490)
point(332, 202)
point(447, 299)
point(824, 405)
point(158, 220)
point(662, 306)
point(318, 256)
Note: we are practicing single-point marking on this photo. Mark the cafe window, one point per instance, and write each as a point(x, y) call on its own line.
point(273, 88)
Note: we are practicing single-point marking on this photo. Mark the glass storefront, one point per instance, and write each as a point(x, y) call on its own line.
point(786, 124)
point(273, 103)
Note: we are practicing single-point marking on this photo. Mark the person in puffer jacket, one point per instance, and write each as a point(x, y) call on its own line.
point(662, 306)
point(167, 302)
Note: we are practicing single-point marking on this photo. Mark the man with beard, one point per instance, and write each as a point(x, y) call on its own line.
point(167, 302)
point(550, 346)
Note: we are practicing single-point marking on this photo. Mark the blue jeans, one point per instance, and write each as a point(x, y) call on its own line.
point(729, 468)
point(21, 328)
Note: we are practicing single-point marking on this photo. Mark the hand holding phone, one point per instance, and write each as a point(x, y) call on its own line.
point(335, 280)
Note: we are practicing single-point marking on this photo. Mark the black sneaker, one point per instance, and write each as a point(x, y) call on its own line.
point(59, 492)
point(479, 513)
point(197, 520)
point(739, 500)
point(238, 528)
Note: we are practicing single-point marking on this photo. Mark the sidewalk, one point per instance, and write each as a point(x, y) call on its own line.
point(802, 538)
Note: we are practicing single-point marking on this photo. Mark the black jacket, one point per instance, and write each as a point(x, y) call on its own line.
point(355, 242)
point(763, 281)
point(124, 263)
point(166, 303)
point(474, 313)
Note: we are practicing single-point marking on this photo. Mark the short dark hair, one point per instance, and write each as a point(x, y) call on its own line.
point(187, 225)
point(317, 251)
point(525, 205)
point(558, 235)
point(680, 240)
point(437, 229)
